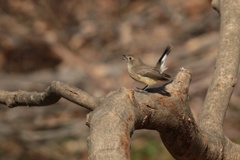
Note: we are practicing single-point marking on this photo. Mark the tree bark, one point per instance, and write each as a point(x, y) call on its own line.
point(117, 115)
point(225, 75)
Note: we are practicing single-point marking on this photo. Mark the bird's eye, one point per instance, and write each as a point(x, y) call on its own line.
point(130, 58)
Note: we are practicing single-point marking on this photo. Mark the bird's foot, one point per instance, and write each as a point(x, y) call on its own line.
point(141, 90)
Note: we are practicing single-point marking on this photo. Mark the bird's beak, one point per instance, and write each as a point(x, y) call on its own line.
point(124, 57)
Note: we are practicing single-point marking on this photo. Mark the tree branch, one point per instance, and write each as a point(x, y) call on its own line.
point(51, 95)
point(123, 111)
point(225, 74)
point(111, 126)
point(115, 117)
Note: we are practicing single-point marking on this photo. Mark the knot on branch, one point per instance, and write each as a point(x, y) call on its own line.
point(10, 100)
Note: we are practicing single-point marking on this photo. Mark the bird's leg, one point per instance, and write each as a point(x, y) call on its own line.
point(146, 87)
point(142, 90)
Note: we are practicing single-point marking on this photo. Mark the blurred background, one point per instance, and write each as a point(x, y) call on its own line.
point(81, 42)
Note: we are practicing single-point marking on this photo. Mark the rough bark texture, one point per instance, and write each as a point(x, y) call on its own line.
point(225, 75)
point(51, 95)
point(115, 116)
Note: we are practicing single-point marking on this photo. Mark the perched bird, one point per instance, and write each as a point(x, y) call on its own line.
point(147, 74)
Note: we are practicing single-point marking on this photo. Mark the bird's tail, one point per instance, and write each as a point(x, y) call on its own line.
point(160, 66)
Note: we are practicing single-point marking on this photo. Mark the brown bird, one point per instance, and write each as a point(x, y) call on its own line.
point(147, 74)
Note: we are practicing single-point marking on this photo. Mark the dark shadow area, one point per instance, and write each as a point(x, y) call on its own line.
point(161, 90)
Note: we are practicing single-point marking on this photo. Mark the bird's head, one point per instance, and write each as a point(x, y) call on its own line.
point(131, 60)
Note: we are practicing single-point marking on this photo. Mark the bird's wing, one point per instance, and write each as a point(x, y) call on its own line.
point(148, 71)
point(164, 74)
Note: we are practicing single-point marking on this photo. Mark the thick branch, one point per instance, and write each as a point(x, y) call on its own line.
point(224, 78)
point(164, 109)
point(173, 119)
point(51, 95)
point(111, 126)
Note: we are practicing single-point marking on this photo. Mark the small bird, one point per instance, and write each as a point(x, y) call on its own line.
point(147, 74)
